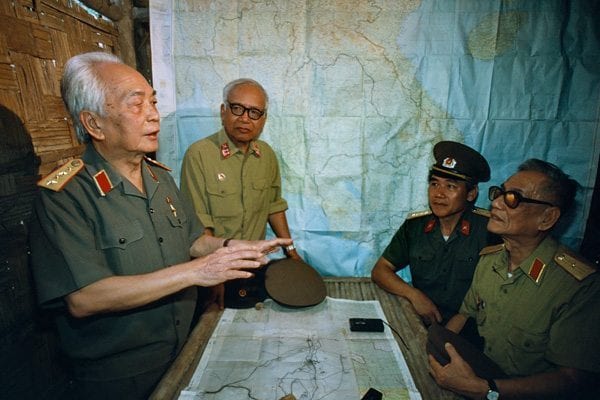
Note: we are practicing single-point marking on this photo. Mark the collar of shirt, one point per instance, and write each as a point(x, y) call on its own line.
point(228, 148)
point(534, 265)
point(99, 168)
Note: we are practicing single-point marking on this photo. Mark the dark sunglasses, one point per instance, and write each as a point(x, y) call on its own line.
point(511, 198)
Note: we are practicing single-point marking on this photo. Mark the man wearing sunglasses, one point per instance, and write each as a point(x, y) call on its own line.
point(536, 303)
point(233, 178)
point(440, 245)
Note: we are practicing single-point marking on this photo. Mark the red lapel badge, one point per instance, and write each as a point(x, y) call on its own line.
point(430, 225)
point(103, 182)
point(225, 152)
point(256, 149)
point(465, 227)
point(536, 270)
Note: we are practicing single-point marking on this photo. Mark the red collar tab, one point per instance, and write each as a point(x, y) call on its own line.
point(536, 270)
point(429, 226)
point(225, 152)
point(103, 182)
point(465, 227)
point(256, 149)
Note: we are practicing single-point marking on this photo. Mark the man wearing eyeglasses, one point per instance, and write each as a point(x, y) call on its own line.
point(232, 177)
point(441, 246)
point(536, 303)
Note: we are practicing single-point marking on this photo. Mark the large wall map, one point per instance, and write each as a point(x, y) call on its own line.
point(360, 91)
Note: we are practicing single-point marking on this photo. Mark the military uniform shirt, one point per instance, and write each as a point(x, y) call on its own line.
point(531, 327)
point(82, 237)
point(233, 193)
point(441, 269)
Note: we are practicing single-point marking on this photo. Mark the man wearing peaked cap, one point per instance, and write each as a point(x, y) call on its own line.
point(535, 302)
point(441, 245)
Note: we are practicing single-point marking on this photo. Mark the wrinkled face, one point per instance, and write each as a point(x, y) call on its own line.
point(131, 122)
point(241, 129)
point(448, 197)
point(527, 219)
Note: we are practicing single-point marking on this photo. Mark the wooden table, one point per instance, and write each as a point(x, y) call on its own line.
point(398, 311)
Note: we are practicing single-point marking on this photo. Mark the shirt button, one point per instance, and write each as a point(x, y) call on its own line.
point(122, 240)
point(151, 211)
point(160, 239)
point(504, 291)
point(177, 322)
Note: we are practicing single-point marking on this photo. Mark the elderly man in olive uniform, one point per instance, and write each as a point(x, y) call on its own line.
point(232, 177)
point(112, 240)
point(536, 303)
point(440, 245)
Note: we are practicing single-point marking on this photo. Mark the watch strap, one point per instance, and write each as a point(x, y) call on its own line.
point(493, 393)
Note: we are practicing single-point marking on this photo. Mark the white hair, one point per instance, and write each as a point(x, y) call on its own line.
point(82, 89)
point(244, 81)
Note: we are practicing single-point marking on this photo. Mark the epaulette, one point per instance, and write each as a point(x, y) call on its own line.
point(491, 249)
point(417, 214)
point(481, 211)
point(570, 262)
point(157, 163)
point(59, 177)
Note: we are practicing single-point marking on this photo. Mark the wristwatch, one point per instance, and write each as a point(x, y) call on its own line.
point(289, 248)
point(492, 393)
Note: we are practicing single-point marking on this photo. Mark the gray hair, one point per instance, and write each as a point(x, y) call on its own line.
point(82, 89)
point(244, 81)
point(559, 186)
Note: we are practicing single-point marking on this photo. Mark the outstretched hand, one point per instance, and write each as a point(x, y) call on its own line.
point(228, 263)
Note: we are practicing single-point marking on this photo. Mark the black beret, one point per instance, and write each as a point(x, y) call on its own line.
point(458, 161)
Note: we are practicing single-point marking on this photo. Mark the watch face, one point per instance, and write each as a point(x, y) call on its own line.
point(492, 395)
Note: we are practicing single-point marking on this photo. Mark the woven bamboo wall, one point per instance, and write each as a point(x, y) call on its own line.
point(36, 39)
point(36, 134)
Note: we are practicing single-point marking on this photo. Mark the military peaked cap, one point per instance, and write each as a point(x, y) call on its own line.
point(458, 161)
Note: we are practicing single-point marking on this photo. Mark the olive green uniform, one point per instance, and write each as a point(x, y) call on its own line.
point(442, 269)
point(539, 318)
point(80, 236)
point(233, 193)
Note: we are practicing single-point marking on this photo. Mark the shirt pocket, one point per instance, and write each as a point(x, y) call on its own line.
point(223, 200)
point(422, 269)
point(259, 192)
point(464, 267)
point(526, 349)
point(123, 247)
point(120, 236)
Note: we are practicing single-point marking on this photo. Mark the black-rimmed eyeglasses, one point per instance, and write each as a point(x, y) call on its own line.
point(511, 198)
point(238, 110)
